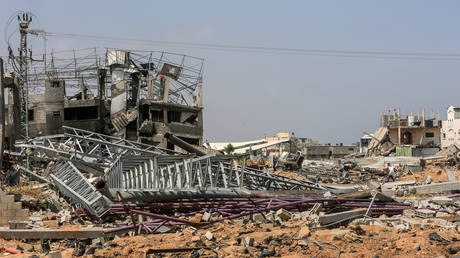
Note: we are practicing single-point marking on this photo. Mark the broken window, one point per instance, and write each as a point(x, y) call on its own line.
point(55, 84)
point(144, 112)
point(193, 119)
point(174, 116)
point(30, 115)
point(157, 115)
point(429, 135)
point(81, 113)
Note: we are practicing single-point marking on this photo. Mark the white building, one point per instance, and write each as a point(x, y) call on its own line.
point(450, 132)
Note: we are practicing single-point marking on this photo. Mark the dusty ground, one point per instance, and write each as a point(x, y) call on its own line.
point(353, 241)
point(381, 240)
point(437, 174)
point(290, 239)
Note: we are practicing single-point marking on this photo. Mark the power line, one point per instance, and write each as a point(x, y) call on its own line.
point(272, 50)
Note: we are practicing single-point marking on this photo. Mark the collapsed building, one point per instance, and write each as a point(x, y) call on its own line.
point(406, 135)
point(135, 95)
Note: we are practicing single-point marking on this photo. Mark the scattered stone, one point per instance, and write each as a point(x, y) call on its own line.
point(435, 237)
point(266, 253)
point(78, 252)
point(54, 254)
point(283, 214)
point(327, 194)
point(428, 180)
point(45, 244)
point(209, 235)
point(450, 176)
point(302, 243)
point(206, 216)
point(248, 241)
point(91, 250)
point(453, 250)
point(258, 217)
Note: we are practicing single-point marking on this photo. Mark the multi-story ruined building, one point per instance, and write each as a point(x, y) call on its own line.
point(139, 96)
point(407, 135)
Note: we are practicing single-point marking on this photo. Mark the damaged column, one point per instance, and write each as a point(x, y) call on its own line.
point(118, 60)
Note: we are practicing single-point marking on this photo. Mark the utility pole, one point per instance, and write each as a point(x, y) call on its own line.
point(2, 114)
point(24, 22)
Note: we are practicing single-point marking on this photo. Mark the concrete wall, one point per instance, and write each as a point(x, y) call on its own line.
point(418, 135)
point(185, 130)
point(324, 151)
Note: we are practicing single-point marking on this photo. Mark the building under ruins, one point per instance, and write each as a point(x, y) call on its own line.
point(407, 135)
point(136, 95)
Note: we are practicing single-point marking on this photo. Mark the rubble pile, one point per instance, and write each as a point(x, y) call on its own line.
point(346, 173)
point(81, 202)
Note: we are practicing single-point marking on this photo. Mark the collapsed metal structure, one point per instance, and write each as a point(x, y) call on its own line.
point(133, 172)
point(220, 209)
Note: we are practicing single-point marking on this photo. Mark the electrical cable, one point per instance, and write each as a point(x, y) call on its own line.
point(271, 50)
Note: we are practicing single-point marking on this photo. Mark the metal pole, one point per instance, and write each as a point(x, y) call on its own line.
point(2, 114)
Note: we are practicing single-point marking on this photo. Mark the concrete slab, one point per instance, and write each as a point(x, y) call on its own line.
point(334, 217)
point(436, 188)
point(391, 185)
point(50, 233)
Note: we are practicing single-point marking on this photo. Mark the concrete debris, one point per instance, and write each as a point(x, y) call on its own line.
point(248, 241)
point(283, 214)
point(139, 166)
point(450, 176)
point(327, 219)
point(209, 235)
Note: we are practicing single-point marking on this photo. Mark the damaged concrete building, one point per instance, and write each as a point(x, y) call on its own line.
point(407, 135)
point(330, 151)
point(135, 95)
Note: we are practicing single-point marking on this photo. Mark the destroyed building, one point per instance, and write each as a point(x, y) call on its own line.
point(136, 95)
point(451, 128)
point(330, 151)
point(407, 135)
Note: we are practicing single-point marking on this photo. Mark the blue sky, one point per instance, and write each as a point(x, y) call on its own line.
point(249, 95)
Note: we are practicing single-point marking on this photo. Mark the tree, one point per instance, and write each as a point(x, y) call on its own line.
point(229, 149)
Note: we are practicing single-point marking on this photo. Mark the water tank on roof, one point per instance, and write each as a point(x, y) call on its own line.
point(411, 120)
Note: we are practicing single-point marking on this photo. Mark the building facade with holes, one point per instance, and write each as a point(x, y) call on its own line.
point(450, 133)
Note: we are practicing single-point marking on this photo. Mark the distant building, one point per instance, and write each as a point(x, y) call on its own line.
point(451, 128)
point(364, 143)
point(407, 135)
point(303, 143)
point(268, 146)
point(330, 151)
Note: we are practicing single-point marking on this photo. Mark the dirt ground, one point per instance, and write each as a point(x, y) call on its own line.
point(367, 241)
point(289, 239)
point(438, 175)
